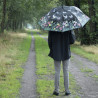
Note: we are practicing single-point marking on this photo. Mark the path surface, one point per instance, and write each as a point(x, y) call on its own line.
point(28, 89)
point(88, 85)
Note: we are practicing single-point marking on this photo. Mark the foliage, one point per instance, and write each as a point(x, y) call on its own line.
point(21, 12)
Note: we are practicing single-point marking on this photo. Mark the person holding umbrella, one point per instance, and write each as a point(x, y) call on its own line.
point(61, 22)
point(59, 44)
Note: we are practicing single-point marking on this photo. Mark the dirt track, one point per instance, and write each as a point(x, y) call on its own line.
point(28, 89)
point(89, 85)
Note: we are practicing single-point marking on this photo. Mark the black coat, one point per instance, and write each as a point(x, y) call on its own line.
point(59, 44)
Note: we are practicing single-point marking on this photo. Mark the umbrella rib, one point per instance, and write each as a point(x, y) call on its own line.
point(76, 18)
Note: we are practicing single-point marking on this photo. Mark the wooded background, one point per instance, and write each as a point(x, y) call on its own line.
point(16, 14)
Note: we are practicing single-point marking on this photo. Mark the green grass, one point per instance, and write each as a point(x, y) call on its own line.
point(78, 50)
point(45, 72)
point(44, 33)
point(86, 70)
point(11, 69)
point(44, 88)
point(95, 76)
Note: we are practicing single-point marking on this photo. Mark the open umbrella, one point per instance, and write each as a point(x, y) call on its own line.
point(63, 18)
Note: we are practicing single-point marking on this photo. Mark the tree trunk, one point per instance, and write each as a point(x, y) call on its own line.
point(92, 14)
point(67, 2)
point(85, 39)
point(3, 16)
point(77, 3)
point(93, 24)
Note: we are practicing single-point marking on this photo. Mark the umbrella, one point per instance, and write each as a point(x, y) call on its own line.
point(63, 18)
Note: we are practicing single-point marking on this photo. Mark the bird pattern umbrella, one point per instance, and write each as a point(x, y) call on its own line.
point(63, 18)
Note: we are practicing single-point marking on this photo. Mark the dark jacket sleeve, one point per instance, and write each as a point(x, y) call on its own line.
point(49, 39)
point(72, 37)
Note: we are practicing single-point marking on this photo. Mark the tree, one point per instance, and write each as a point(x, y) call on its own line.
point(3, 16)
point(77, 3)
point(93, 23)
point(15, 14)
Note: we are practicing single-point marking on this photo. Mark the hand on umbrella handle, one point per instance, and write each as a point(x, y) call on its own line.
point(72, 37)
point(72, 31)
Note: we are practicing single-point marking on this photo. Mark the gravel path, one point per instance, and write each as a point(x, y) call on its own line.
point(85, 63)
point(28, 89)
point(89, 86)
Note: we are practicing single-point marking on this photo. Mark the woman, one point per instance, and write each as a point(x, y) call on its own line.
point(59, 44)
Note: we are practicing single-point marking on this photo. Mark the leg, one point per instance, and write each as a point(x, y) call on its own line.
point(57, 65)
point(66, 74)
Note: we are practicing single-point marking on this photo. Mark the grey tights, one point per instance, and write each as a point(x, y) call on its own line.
point(57, 65)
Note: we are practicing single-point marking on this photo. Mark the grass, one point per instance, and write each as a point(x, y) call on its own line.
point(14, 49)
point(89, 52)
point(95, 76)
point(44, 33)
point(45, 72)
point(86, 70)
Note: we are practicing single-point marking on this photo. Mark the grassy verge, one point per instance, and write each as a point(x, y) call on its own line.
point(89, 52)
point(14, 49)
point(44, 33)
point(45, 72)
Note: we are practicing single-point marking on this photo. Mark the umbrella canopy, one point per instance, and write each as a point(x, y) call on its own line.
point(63, 18)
